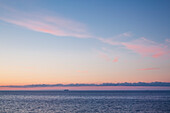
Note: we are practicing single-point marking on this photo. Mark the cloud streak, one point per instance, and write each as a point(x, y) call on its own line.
point(57, 26)
point(116, 40)
point(142, 46)
point(106, 57)
point(147, 47)
point(115, 59)
point(62, 27)
point(103, 84)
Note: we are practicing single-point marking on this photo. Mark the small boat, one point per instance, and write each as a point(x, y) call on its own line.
point(66, 90)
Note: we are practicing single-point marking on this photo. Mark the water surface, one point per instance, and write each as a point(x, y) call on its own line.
point(84, 101)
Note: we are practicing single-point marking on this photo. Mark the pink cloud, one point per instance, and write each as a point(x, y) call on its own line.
point(57, 26)
point(140, 46)
point(106, 57)
point(146, 47)
point(145, 69)
point(115, 59)
point(167, 40)
point(47, 27)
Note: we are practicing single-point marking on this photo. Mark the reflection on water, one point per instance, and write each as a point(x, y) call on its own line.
point(84, 101)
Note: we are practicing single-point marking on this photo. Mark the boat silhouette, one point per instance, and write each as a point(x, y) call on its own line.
point(66, 90)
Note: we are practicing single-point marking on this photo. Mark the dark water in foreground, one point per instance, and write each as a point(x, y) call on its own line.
point(84, 101)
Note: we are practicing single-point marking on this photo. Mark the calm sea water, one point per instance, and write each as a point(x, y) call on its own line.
point(84, 101)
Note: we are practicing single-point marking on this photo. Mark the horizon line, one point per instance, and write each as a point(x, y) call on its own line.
point(167, 84)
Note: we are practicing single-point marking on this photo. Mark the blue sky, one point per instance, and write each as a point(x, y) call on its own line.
point(108, 18)
point(88, 41)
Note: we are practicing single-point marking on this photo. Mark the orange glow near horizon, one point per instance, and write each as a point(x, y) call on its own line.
point(42, 46)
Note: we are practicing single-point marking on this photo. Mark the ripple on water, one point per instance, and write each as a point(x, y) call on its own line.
point(79, 103)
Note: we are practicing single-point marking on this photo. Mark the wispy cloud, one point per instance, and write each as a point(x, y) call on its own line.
point(115, 59)
point(145, 69)
point(60, 26)
point(106, 54)
point(54, 25)
point(147, 47)
point(115, 40)
point(126, 34)
point(102, 84)
point(142, 46)
point(167, 40)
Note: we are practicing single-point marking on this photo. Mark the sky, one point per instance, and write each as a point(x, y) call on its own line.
point(90, 41)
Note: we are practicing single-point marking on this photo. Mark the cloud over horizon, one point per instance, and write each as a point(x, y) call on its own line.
point(102, 84)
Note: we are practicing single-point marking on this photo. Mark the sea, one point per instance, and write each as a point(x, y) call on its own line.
point(84, 101)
